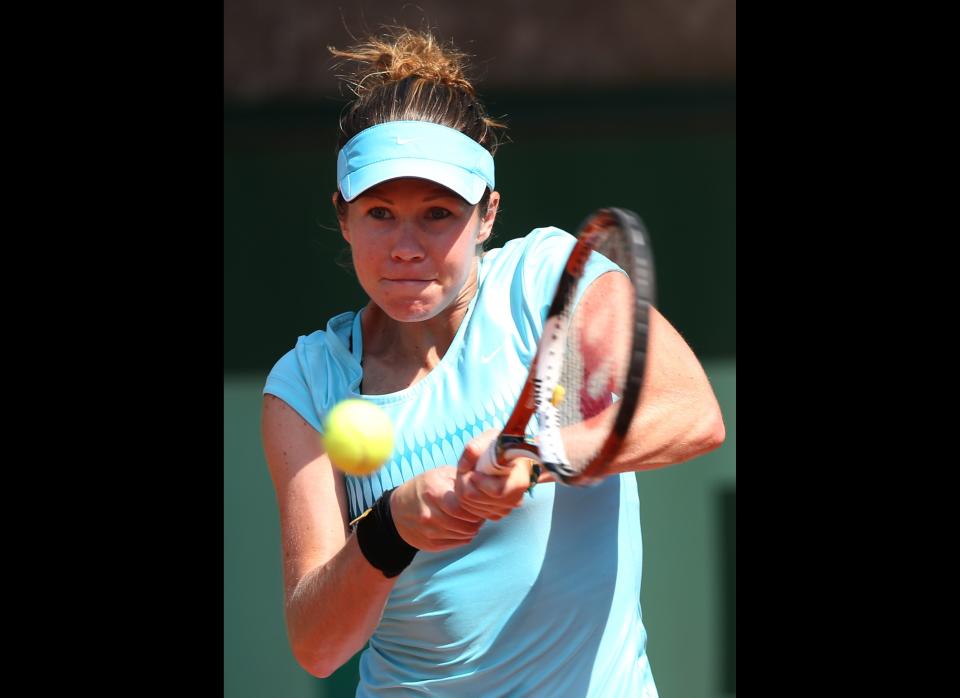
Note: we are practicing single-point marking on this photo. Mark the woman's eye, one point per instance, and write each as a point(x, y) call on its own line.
point(380, 213)
point(438, 213)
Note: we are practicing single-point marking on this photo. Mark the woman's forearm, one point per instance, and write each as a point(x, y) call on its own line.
point(334, 609)
point(678, 417)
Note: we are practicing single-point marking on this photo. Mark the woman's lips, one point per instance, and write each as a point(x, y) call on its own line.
point(409, 282)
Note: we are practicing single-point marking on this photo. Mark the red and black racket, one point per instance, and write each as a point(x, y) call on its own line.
point(584, 384)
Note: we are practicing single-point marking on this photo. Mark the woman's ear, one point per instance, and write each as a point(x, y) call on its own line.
point(486, 225)
point(340, 206)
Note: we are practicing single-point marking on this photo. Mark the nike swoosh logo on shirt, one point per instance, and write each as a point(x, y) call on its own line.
point(486, 359)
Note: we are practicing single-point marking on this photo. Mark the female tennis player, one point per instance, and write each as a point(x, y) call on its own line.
point(457, 583)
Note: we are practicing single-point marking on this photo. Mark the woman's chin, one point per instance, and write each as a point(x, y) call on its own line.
point(405, 312)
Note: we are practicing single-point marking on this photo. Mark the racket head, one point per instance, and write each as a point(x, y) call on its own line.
point(594, 347)
point(606, 346)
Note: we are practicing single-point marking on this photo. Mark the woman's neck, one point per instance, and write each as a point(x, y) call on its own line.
point(396, 355)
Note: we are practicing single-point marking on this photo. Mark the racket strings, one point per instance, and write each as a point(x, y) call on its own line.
point(593, 375)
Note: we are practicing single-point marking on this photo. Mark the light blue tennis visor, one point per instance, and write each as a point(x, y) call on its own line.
point(414, 149)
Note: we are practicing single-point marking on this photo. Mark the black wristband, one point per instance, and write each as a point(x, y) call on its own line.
point(379, 541)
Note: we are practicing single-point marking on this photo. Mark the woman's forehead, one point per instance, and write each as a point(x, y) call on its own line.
point(412, 187)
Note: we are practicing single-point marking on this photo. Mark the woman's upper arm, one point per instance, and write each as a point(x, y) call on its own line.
point(311, 494)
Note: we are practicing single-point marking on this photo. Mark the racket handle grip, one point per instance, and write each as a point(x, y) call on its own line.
point(489, 465)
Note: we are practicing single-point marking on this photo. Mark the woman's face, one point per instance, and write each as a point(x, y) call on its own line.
point(413, 243)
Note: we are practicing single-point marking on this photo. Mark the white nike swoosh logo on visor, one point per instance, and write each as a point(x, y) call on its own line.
point(405, 141)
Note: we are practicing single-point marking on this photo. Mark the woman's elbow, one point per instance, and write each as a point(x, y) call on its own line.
point(319, 667)
point(313, 657)
point(320, 672)
point(712, 431)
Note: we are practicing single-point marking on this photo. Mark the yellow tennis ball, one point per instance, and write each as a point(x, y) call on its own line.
point(358, 436)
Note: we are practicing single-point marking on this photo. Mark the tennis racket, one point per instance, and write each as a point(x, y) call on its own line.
point(584, 384)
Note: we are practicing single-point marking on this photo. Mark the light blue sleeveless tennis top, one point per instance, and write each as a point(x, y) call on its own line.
point(543, 602)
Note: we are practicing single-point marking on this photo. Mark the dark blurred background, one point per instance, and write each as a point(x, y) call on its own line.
point(629, 104)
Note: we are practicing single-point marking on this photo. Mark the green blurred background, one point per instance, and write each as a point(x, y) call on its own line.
point(663, 145)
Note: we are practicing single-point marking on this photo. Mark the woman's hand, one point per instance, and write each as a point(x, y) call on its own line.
point(490, 496)
point(428, 513)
